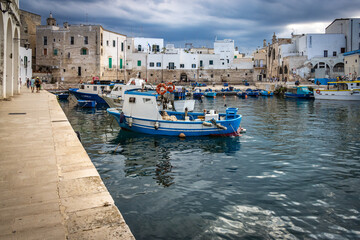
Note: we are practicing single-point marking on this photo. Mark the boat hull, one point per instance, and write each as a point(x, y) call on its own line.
point(86, 96)
point(302, 96)
point(337, 95)
point(175, 128)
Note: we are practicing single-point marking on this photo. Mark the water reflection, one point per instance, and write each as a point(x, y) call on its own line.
point(147, 155)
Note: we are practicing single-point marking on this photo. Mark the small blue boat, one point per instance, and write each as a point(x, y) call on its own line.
point(210, 94)
point(141, 114)
point(252, 93)
point(266, 93)
point(86, 103)
point(299, 92)
point(242, 94)
point(91, 91)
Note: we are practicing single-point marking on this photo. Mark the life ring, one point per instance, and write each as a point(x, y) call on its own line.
point(170, 86)
point(161, 88)
point(318, 91)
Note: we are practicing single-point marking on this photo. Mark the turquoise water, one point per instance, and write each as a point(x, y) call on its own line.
point(295, 174)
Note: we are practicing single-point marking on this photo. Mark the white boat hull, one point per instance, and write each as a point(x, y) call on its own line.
point(346, 95)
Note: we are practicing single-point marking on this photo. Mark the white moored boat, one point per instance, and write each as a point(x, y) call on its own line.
point(342, 90)
point(142, 114)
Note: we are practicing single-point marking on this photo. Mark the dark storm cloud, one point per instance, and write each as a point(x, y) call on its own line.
point(199, 22)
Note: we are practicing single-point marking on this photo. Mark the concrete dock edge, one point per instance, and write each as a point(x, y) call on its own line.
point(49, 187)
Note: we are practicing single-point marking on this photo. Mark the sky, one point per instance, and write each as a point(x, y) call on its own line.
point(200, 22)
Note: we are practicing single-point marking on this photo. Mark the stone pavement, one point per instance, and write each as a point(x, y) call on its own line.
point(49, 188)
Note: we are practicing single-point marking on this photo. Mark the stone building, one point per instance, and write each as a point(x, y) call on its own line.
point(75, 53)
point(29, 21)
point(9, 48)
point(275, 69)
point(260, 63)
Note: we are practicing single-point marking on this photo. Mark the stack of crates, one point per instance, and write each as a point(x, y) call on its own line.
point(231, 113)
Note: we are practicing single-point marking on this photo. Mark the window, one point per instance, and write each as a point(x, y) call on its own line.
point(110, 62)
point(54, 40)
point(342, 50)
point(201, 63)
point(101, 39)
point(121, 63)
point(212, 75)
point(152, 64)
point(182, 65)
point(72, 40)
point(25, 62)
point(193, 65)
point(86, 40)
point(79, 71)
point(139, 48)
point(107, 43)
point(45, 51)
point(122, 46)
point(95, 88)
point(132, 99)
point(139, 63)
point(114, 43)
point(334, 54)
point(147, 100)
point(325, 53)
point(55, 52)
point(68, 55)
point(45, 40)
point(310, 42)
point(211, 62)
point(64, 70)
point(171, 65)
point(83, 51)
point(158, 64)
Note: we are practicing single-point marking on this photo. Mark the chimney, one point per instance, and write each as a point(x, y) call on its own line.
point(66, 24)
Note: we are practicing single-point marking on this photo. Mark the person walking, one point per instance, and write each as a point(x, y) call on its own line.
point(27, 82)
point(32, 84)
point(37, 84)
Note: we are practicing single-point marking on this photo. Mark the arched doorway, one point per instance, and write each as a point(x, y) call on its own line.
point(16, 63)
point(2, 49)
point(183, 77)
point(9, 58)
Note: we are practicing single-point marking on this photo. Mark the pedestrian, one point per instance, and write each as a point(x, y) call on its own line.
point(27, 82)
point(38, 84)
point(32, 84)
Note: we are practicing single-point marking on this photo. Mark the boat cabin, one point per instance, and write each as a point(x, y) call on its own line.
point(95, 88)
point(300, 90)
point(344, 85)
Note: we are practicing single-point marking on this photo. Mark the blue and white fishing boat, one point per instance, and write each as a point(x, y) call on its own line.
point(91, 91)
point(299, 92)
point(141, 114)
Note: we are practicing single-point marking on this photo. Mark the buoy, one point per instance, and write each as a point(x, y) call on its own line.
point(181, 135)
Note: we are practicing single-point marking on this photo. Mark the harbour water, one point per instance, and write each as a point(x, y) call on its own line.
point(295, 174)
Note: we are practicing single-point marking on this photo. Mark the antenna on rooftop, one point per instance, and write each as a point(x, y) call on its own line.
point(86, 18)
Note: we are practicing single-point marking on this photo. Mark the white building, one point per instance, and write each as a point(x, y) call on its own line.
point(226, 50)
point(10, 48)
point(350, 27)
point(25, 64)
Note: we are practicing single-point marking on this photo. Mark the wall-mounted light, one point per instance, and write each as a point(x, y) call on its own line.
point(7, 6)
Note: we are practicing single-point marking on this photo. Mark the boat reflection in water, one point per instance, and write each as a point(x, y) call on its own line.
point(153, 155)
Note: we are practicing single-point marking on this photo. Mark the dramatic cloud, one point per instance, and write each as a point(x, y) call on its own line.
point(199, 22)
